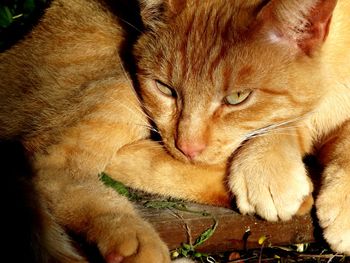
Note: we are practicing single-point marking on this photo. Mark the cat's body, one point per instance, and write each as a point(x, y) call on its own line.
point(65, 95)
point(259, 80)
point(268, 81)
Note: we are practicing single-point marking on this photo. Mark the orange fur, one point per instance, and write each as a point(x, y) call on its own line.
point(75, 112)
point(78, 114)
point(297, 53)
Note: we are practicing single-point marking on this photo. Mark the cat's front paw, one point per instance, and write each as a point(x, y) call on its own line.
point(333, 211)
point(273, 187)
point(130, 240)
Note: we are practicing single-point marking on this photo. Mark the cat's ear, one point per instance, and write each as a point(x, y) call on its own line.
point(155, 12)
point(303, 25)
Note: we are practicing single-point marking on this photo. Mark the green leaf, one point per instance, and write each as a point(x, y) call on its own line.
point(187, 246)
point(188, 250)
point(5, 16)
point(184, 252)
point(205, 235)
point(118, 186)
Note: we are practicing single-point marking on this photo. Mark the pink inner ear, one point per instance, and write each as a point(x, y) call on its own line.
point(307, 35)
point(317, 34)
point(320, 18)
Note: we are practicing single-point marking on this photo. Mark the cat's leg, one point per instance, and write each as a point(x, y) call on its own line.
point(146, 165)
point(268, 177)
point(333, 202)
point(80, 203)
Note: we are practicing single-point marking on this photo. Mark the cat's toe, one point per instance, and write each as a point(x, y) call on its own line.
point(150, 250)
point(333, 214)
point(292, 195)
point(239, 188)
point(114, 257)
point(336, 230)
point(131, 240)
point(338, 239)
point(272, 192)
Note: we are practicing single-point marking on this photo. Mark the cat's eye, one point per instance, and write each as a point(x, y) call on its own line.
point(165, 89)
point(238, 97)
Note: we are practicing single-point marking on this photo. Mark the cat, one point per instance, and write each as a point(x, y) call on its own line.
point(262, 83)
point(66, 97)
point(248, 84)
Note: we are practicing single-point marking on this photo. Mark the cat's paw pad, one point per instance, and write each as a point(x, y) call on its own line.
point(333, 213)
point(275, 190)
point(132, 240)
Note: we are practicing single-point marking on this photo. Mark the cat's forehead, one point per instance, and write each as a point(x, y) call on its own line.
point(206, 21)
point(211, 46)
point(208, 41)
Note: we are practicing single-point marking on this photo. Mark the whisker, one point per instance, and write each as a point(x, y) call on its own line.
point(139, 106)
point(147, 126)
point(268, 134)
point(288, 128)
point(135, 111)
point(129, 24)
point(276, 126)
point(147, 142)
point(152, 129)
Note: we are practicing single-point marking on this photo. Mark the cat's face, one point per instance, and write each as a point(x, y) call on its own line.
point(213, 76)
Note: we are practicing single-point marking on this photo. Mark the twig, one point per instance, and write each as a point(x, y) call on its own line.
point(185, 225)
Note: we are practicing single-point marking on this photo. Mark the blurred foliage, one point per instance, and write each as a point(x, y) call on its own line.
point(17, 17)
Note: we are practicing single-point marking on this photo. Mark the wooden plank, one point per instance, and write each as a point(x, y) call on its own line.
point(234, 231)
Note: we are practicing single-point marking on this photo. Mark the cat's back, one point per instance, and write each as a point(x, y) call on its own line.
point(49, 78)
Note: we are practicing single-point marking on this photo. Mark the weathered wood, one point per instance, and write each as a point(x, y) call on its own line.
point(176, 227)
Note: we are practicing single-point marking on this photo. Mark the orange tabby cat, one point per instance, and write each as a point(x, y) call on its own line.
point(261, 83)
point(267, 81)
point(65, 95)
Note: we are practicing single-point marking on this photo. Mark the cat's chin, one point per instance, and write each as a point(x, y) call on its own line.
point(204, 162)
point(211, 162)
point(200, 160)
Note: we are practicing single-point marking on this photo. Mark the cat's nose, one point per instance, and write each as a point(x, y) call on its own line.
point(191, 149)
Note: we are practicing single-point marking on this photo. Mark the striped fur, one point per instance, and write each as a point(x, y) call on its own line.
point(294, 57)
point(67, 97)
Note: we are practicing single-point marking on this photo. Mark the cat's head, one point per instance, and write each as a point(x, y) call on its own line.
point(213, 73)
